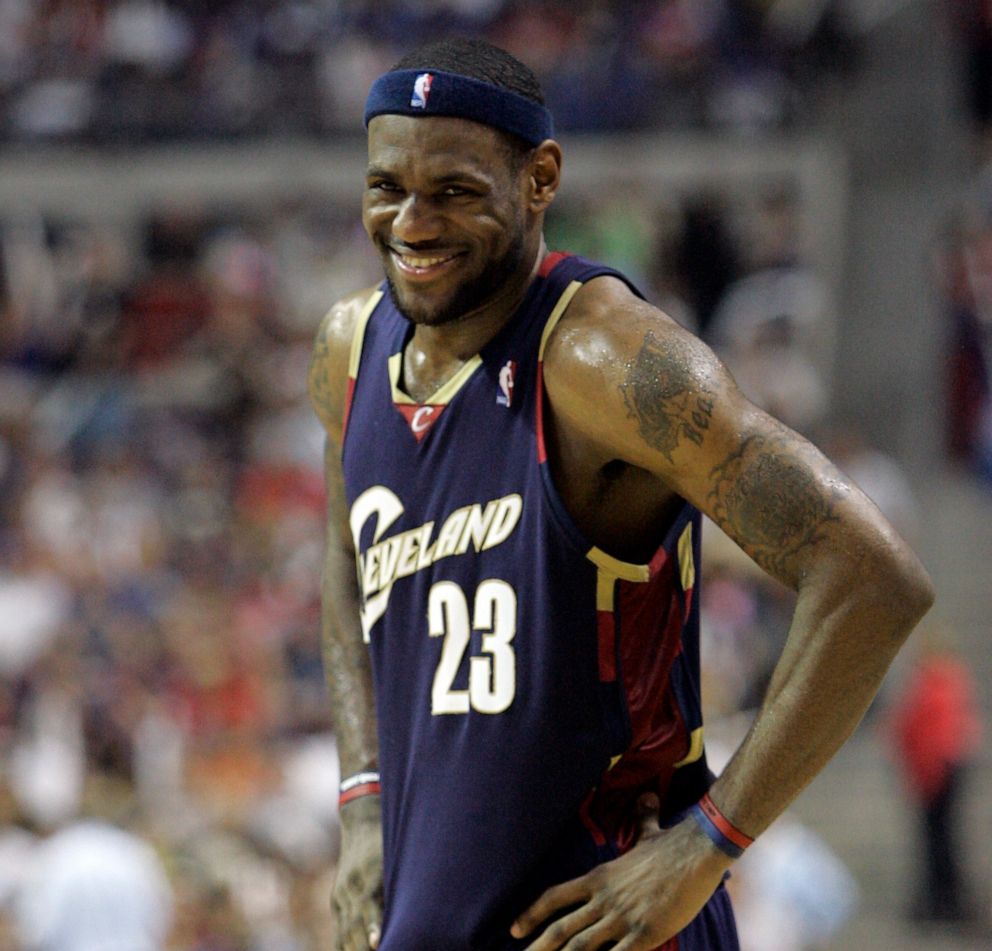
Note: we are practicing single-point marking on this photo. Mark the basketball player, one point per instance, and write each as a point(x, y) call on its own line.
point(519, 450)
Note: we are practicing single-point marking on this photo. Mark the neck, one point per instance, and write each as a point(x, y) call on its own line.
point(435, 353)
point(462, 339)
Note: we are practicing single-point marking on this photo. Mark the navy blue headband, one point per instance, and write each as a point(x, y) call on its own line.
point(418, 92)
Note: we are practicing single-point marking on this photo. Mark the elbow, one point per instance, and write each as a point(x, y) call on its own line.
point(886, 588)
point(919, 594)
point(911, 593)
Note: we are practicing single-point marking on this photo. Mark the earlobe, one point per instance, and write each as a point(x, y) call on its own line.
point(545, 175)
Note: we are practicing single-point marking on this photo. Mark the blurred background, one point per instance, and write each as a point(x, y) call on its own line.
point(805, 183)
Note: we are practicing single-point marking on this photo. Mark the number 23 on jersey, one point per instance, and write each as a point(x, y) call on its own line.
point(492, 674)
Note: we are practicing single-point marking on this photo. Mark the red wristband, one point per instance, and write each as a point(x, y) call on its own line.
point(720, 829)
point(361, 784)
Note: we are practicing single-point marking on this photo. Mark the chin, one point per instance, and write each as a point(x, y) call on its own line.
point(473, 293)
point(425, 312)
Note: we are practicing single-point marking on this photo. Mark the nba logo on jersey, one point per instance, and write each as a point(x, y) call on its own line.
point(506, 374)
point(421, 90)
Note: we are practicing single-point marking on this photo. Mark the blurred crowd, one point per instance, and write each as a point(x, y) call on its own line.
point(161, 524)
point(973, 20)
point(124, 71)
point(964, 260)
point(964, 274)
point(161, 520)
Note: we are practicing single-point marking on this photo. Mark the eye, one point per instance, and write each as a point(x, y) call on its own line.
point(383, 185)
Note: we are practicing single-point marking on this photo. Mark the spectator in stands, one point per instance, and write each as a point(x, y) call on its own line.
point(95, 887)
point(133, 70)
point(935, 731)
point(974, 21)
point(94, 883)
point(965, 276)
point(771, 323)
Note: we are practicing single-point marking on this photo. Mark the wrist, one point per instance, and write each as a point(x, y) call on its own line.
point(359, 815)
point(721, 832)
point(699, 853)
point(358, 786)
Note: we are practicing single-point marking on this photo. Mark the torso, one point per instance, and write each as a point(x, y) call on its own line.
point(498, 783)
point(619, 507)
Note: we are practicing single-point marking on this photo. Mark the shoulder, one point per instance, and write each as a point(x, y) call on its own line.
point(614, 359)
point(606, 320)
point(328, 375)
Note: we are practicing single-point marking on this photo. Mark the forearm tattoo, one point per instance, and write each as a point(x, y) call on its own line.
point(662, 394)
point(771, 502)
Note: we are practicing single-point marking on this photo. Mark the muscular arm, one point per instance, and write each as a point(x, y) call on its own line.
point(346, 660)
point(358, 889)
point(643, 390)
point(628, 384)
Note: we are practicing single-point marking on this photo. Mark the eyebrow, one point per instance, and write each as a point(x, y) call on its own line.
point(457, 175)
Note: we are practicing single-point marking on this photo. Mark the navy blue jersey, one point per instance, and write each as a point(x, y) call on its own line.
point(529, 686)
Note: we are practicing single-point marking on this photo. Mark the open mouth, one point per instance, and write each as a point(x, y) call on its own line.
point(422, 265)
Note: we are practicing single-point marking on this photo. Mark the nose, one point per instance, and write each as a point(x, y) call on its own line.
point(416, 220)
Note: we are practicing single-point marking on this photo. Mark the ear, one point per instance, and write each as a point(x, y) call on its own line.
point(544, 175)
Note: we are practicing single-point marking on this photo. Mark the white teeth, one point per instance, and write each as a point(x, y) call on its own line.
point(421, 262)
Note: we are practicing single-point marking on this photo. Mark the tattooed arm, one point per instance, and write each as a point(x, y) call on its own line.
point(357, 897)
point(625, 383)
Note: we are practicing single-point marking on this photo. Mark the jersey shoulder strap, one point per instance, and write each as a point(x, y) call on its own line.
point(565, 274)
point(355, 356)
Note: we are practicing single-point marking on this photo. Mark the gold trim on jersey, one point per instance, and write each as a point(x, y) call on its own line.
point(604, 590)
point(611, 569)
point(631, 571)
point(443, 395)
point(608, 565)
point(625, 570)
point(687, 563)
point(695, 748)
point(556, 314)
point(358, 338)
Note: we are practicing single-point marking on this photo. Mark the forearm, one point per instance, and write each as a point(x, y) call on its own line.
point(346, 666)
point(357, 896)
point(860, 593)
point(846, 630)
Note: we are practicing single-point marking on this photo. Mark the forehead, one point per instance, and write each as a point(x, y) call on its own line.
point(435, 145)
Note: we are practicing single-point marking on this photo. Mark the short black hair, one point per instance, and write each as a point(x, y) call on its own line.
point(477, 59)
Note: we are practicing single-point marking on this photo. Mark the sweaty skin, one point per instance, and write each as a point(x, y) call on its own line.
point(640, 415)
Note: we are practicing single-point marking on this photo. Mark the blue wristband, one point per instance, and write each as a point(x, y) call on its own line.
point(725, 845)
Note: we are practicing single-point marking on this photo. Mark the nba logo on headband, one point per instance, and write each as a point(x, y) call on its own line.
point(405, 92)
point(421, 90)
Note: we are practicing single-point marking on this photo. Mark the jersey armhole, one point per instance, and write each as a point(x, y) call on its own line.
point(549, 326)
point(355, 356)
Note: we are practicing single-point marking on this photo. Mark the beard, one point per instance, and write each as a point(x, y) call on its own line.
point(469, 296)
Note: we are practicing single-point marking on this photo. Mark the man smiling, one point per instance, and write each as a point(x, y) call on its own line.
point(519, 452)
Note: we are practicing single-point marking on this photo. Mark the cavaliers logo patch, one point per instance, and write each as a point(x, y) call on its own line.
point(420, 418)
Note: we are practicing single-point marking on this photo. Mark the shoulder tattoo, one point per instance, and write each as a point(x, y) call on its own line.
point(662, 394)
point(771, 502)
